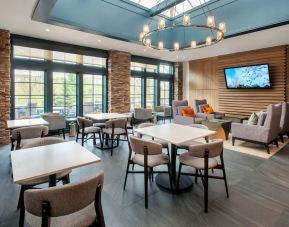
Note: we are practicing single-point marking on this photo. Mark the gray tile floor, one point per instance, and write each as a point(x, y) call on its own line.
point(259, 194)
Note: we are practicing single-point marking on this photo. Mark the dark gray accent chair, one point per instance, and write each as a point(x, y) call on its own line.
point(284, 122)
point(200, 103)
point(178, 105)
point(75, 204)
point(260, 134)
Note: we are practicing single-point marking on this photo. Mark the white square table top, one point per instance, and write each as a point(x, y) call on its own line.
point(32, 163)
point(11, 124)
point(175, 133)
point(106, 116)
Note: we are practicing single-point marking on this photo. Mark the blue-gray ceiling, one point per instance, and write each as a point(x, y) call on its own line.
point(124, 20)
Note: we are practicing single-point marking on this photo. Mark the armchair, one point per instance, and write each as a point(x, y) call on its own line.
point(178, 105)
point(141, 115)
point(260, 134)
point(284, 122)
point(56, 122)
point(200, 103)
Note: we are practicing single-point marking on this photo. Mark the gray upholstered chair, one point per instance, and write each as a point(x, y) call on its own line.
point(165, 113)
point(85, 127)
point(113, 130)
point(260, 134)
point(149, 155)
point(284, 122)
point(56, 122)
point(200, 103)
point(75, 204)
point(25, 185)
point(141, 115)
point(203, 157)
point(21, 136)
point(177, 114)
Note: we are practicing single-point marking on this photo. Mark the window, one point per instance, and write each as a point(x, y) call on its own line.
point(164, 93)
point(92, 93)
point(28, 93)
point(64, 93)
point(135, 92)
point(150, 93)
point(94, 61)
point(64, 57)
point(165, 69)
point(28, 53)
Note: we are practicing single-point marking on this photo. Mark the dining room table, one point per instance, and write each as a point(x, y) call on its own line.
point(32, 163)
point(12, 124)
point(174, 134)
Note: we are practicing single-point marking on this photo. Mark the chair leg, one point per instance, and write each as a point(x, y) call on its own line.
point(111, 149)
point(146, 186)
point(66, 179)
point(276, 143)
point(94, 139)
point(179, 175)
point(63, 131)
point(126, 173)
point(21, 204)
point(267, 148)
point(196, 176)
point(206, 185)
point(152, 174)
point(282, 138)
point(76, 137)
point(168, 150)
point(82, 139)
point(233, 141)
point(224, 175)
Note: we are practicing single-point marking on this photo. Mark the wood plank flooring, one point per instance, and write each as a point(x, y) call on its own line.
point(259, 194)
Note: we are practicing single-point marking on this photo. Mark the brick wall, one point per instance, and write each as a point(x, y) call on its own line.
point(119, 81)
point(178, 81)
point(4, 85)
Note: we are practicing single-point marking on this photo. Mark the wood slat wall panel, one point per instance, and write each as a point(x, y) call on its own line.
point(207, 81)
point(242, 101)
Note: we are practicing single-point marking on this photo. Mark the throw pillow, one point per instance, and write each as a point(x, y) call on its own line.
point(208, 110)
point(202, 106)
point(262, 117)
point(253, 120)
point(189, 112)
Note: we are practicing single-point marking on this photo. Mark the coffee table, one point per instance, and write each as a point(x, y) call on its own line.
point(222, 127)
point(175, 134)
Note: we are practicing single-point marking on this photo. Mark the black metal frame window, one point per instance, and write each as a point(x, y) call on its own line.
point(150, 92)
point(29, 95)
point(92, 93)
point(65, 93)
point(165, 93)
point(136, 91)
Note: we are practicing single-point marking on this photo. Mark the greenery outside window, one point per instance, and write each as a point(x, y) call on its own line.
point(135, 92)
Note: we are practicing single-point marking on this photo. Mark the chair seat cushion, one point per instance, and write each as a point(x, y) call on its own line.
point(25, 142)
point(100, 125)
point(83, 218)
point(42, 180)
point(153, 160)
point(198, 163)
point(117, 131)
point(91, 129)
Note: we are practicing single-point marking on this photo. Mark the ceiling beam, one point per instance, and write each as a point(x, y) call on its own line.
point(163, 6)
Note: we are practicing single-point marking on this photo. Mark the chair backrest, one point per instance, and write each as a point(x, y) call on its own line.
point(30, 132)
point(116, 123)
point(138, 145)
point(199, 126)
point(215, 148)
point(198, 102)
point(55, 120)
point(176, 104)
point(284, 121)
point(272, 121)
point(159, 109)
point(43, 141)
point(167, 111)
point(65, 199)
point(142, 113)
point(82, 121)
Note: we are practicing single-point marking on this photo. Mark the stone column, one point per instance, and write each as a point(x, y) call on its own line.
point(4, 85)
point(178, 81)
point(119, 81)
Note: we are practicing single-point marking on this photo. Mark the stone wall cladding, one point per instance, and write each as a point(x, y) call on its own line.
point(119, 81)
point(4, 85)
point(178, 81)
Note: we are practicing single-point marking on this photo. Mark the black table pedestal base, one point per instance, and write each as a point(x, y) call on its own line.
point(106, 147)
point(163, 181)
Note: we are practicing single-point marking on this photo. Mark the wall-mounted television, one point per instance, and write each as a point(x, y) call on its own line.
point(248, 77)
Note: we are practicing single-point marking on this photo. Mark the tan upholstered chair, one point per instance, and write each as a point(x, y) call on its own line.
point(85, 127)
point(203, 157)
point(56, 122)
point(25, 185)
point(113, 130)
point(149, 155)
point(75, 204)
point(141, 115)
point(163, 113)
point(24, 135)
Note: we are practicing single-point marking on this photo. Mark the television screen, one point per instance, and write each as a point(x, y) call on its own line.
point(255, 76)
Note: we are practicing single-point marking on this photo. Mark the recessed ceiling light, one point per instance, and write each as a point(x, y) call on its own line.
point(47, 30)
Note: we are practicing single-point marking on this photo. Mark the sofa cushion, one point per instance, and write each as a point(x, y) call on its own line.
point(253, 120)
point(188, 112)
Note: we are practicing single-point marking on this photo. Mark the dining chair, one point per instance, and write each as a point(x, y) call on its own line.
point(147, 154)
point(113, 130)
point(85, 127)
point(25, 185)
point(203, 157)
point(75, 204)
point(24, 135)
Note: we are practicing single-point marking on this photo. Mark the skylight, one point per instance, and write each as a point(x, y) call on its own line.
point(147, 3)
point(183, 7)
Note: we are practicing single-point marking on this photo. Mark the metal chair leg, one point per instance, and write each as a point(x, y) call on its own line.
point(179, 175)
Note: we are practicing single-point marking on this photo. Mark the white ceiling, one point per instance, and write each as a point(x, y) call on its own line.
point(15, 16)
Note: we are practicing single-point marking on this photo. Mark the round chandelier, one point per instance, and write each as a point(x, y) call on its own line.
point(157, 37)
